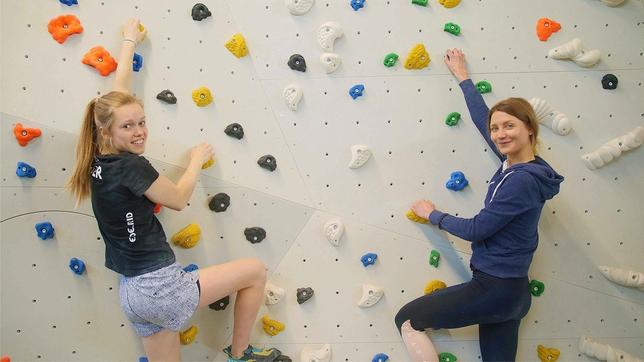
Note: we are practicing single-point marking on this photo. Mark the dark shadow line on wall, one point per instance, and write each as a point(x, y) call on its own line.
point(41, 211)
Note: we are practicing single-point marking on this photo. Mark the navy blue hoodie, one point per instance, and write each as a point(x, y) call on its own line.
point(504, 233)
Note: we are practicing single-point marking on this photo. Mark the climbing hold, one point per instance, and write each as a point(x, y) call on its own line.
point(333, 229)
point(188, 236)
point(380, 357)
point(157, 208)
point(237, 45)
point(457, 181)
point(447, 357)
point(323, 354)
point(357, 4)
point(143, 359)
point(297, 62)
point(419, 2)
point(624, 277)
point(575, 51)
point(5, 359)
point(200, 12)
point(219, 202)
point(235, 130)
point(609, 81)
point(483, 86)
point(220, 304)
point(328, 33)
point(603, 351)
point(267, 162)
point(25, 135)
point(390, 60)
point(612, 3)
point(208, 163)
point(556, 121)
point(449, 3)
point(77, 266)
point(330, 61)
point(299, 7)
point(190, 268)
point(433, 286)
point(63, 26)
point(417, 58)
point(137, 62)
point(304, 294)
point(101, 60)
point(546, 27)
point(273, 294)
point(360, 154)
point(612, 149)
point(271, 326)
point(25, 170)
point(452, 119)
point(415, 218)
point(434, 258)
point(69, 2)
point(45, 230)
point(452, 28)
point(189, 335)
point(546, 354)
point(536, 287)
point(369, 259)
point(255, 234)
point(370, 295)
point(202, 96)
point(167, 96)
point(282, 358)
point(356, 91)
point(292, 96)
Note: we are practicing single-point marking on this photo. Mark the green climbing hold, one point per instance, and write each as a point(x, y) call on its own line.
point(447, 357)
point(452, 119)
point(419, 2)
point(536, 287)
point(434, 258)
point(452, 28)
point(390, 59)
point(484, 87)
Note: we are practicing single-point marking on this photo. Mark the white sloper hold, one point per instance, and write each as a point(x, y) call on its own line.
point(292, 96)
point(273, 294)
point(330, 61)
point(614, 148)
point(627, 278)
point(556, 121)
point(299, 7)
point(327, 34)
point(360, 154)
point(604, 352)
point(370, 295)
point(322, 354)
point(333, 229)
point(574, 50)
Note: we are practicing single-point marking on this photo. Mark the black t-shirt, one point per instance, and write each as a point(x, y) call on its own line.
point(135, 242)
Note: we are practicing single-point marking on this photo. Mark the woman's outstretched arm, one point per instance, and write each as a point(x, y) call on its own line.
point(131, 37)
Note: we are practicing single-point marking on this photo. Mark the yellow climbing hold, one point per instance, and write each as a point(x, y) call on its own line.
point(188, 236)
point(237, 46)
point(202, 96)
point(271, 326)
point(417, 58)
point(415, 218)
point(449, 3)
point(208, 163)
point(547, 354)
point(188, 336)
point(433, 286)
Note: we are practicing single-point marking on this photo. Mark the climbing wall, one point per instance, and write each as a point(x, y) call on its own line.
point(50, 313)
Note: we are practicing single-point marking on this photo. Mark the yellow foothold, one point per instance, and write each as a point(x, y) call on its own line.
point(188, 236)
point(202, 96)
point(449, 3)
point(415, 218)
point(547, 354)
point(271, 326)
point(237, 46)
point(208, 163)
point(417, 58)
point(141, 28)
point(188, 336)
point(433, 286)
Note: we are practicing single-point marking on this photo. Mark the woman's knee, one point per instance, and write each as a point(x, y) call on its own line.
point(259, 270)
point(401, 317)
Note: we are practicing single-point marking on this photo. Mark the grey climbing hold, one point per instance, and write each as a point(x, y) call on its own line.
point(221, 304)
point(304, 294)
point(200, 12)
point(297, 62)
point(235, 130)
point(255, 234)
point(219, 202)
point(268, 162)
point(167, 96)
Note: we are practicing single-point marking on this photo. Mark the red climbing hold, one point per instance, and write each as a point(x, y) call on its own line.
point(545, 28)
point(157, 208)
point(63, 26)
point(25, 135)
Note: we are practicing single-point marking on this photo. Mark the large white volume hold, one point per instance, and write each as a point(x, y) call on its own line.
point(299, 7)
point(330, 61)
point(627, 278)
point(575, 51)
point(614, 148)
point(333, 229)
point(556, 121)
point(273, 294)
point(604, 352)
point(322, 354)
point(292, 96)
point(612, 2)
point(359, 155)
point(328, 33)
point(370, 295)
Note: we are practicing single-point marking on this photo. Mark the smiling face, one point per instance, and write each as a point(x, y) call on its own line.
point(128, 131)
point(510, 135)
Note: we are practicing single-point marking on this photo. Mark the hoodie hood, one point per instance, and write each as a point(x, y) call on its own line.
point(547, 178)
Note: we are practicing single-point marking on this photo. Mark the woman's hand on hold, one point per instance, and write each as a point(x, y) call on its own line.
point(201, 153)
point(455, 61)
point(423, 208)
point(131, 31)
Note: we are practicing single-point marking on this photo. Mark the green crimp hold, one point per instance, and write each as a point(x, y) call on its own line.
point(447, 357)
point(419, 2)
point(452, 119)
point(452, 28)
point(390, 59)
point(484, 87)
point(434, 258)
point(536, 287)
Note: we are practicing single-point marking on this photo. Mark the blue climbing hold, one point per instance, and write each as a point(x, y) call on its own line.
point(137, 62)
point(77, 266)
point(356, 91)
point(25, 170)
point(457, 181)
point(380, 357)
point(45, 230)
point(69, 2)
point(143, 359)
point(369, 259)
point(190, 268)
point(357, 4)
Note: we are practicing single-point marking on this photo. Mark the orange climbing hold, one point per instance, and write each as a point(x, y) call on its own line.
point(545, 28)
point(63, 26)
point(25, 135)
point(5, 359)
point(100, 59)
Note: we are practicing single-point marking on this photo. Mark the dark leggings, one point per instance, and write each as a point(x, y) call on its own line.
point(495, 304)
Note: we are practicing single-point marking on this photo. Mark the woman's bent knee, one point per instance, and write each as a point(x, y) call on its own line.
point(259, 269)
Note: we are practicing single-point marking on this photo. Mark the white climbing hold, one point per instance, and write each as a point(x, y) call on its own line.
point(333, 229)
point(574, 50)
point(627, 278)
point(359, 155)
point(273, 294)
point(330, 61)
point(370, 295)
point(612, 3)
point(556, 121)
point(299, 7)
point(292, 96)
point(322, 354)
point(327, 34)
point(614, 148)
point(604, 352)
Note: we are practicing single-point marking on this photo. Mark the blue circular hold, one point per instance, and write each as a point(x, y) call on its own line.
point(45, 230)
point(457, 181)
point(190, 268)
point(356, 91)
point(357, 4)
point(368, 259)
point(77, 266)
point(25, 170)
point(137, 62)
point(380, 357)
point(69, 2)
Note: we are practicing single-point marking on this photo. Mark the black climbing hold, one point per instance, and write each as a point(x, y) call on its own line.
point(268, 162)
point(235, 130)
point(167, 96)
point(219, 202)
point(200, 12)
point(283, 358)
point(255, 234)
point(609, 81)
point(304, 294)
point(221, 304)
point(297, 62)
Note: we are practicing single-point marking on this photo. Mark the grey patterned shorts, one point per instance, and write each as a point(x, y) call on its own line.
point(165, 298)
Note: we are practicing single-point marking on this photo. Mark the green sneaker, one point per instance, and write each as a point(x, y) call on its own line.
point(252, 354)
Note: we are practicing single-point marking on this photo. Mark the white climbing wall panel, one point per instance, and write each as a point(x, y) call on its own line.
point(48, 313)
